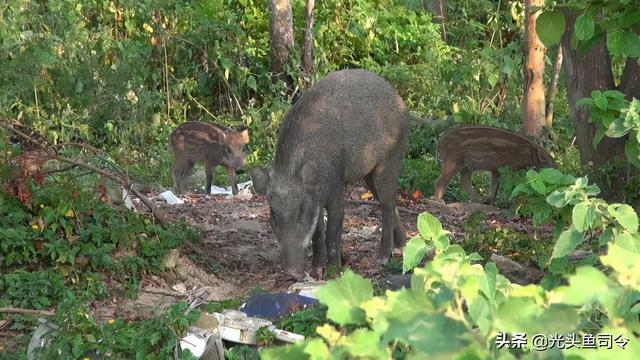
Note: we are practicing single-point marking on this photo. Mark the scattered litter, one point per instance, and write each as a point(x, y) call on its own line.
point(170, 198)
point(180, 288)
point(204, 344)
point(274, 305)
point(237, 327)
point(244, 194)
point(126, 198)
point(306, 289)
point(171, 258)
point(38, 339)
point(216, 190)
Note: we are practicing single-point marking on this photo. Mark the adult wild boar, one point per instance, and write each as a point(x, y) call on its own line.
point(466, 149)
point(212, 144)
point(350, 125)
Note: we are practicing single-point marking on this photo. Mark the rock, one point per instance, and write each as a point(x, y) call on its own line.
point(516, 272)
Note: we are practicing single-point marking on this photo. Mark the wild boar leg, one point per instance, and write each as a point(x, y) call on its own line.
point(399, 232)
point(449, 170)
point(495, 183)
point(382, 180)
point(466, 184)
point(231, 174)
point(208, 172)
point(335, 215)
point(180, 171)
point(318, 244)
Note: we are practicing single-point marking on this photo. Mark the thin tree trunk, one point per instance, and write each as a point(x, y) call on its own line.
point(281, 38)
point(534, 103)
point(553, 88)
point(630, 81)
point(585, 73)
point(439, 10)
point(307, 43)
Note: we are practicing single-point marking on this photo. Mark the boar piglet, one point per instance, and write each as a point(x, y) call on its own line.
point(350, 125)
point(212, 144)
point(467, 149)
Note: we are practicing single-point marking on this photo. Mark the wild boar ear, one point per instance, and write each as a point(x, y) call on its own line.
point(245, 136)
point(309, 175)
point(224, 135)
point(260, 179)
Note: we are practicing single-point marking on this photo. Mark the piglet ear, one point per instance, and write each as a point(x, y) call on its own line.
point(245, 136)
point(309, 176)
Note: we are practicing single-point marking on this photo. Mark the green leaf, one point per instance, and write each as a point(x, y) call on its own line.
point(616, 42)
point(585, 286)
point(295, 351)
point(555, 177)
point(488, 283)
point(625, 215)
point(316, 349)
point(605, 236)
point(632, 152)
point(584, 215)
point(251, 83)
point(429, 226)
point(584, 26)
point(632, 48)
point(344, 296)
point(413, 253)
point(550, 26)
point(567, 242)
point(617, 128)
point(600, 131)
point(584, 102)
point(523, 314)
point(433, 334)
point(364, 343)
point(600, 101)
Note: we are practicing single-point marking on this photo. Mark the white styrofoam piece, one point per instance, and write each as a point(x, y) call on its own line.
point(127, 200)
point(170, 198)
point(216, 190)
point(287, 336)
point(195, 343)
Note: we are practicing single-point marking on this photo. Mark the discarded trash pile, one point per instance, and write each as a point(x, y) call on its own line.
point(206, 338)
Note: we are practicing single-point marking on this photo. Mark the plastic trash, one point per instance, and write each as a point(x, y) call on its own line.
point(126, 198)
point(170, 198)
point(216, 190)
point(236, 326)
point(271, 306)
point(307, 288)
point(205, 344)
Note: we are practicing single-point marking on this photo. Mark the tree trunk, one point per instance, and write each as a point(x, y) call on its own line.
point(307, 43)
point(585, 73)
point(534, 104)
point(553, 88)
point(281, 38)
point(630, 81)
point(439, 10)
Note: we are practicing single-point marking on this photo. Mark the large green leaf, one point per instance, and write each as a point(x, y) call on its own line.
point(632, 152)
point(344, 296)
point(585, 286)
point(429, 226)
point(413, 253)
point(431, 334)
point(550, 26)
point(584, 26)
point(584, 215)
point(566, 243)
point(521, 314)
point(625, 215)
point(364, 343)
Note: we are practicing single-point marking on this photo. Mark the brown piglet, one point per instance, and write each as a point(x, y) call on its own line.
point(212, 144)
point(466, 149)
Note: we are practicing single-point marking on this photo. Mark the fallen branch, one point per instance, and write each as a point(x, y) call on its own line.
point(12, 310)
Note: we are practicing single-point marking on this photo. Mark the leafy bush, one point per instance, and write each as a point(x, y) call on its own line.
point(457, 308)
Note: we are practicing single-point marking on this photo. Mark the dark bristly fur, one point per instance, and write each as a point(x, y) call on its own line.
point(350, 125)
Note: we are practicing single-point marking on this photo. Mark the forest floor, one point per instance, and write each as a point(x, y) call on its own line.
point(238, 255)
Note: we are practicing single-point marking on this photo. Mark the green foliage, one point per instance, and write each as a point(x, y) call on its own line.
point(80, 335)
point(530, 197)
point(550, 27)
point(304, 322)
